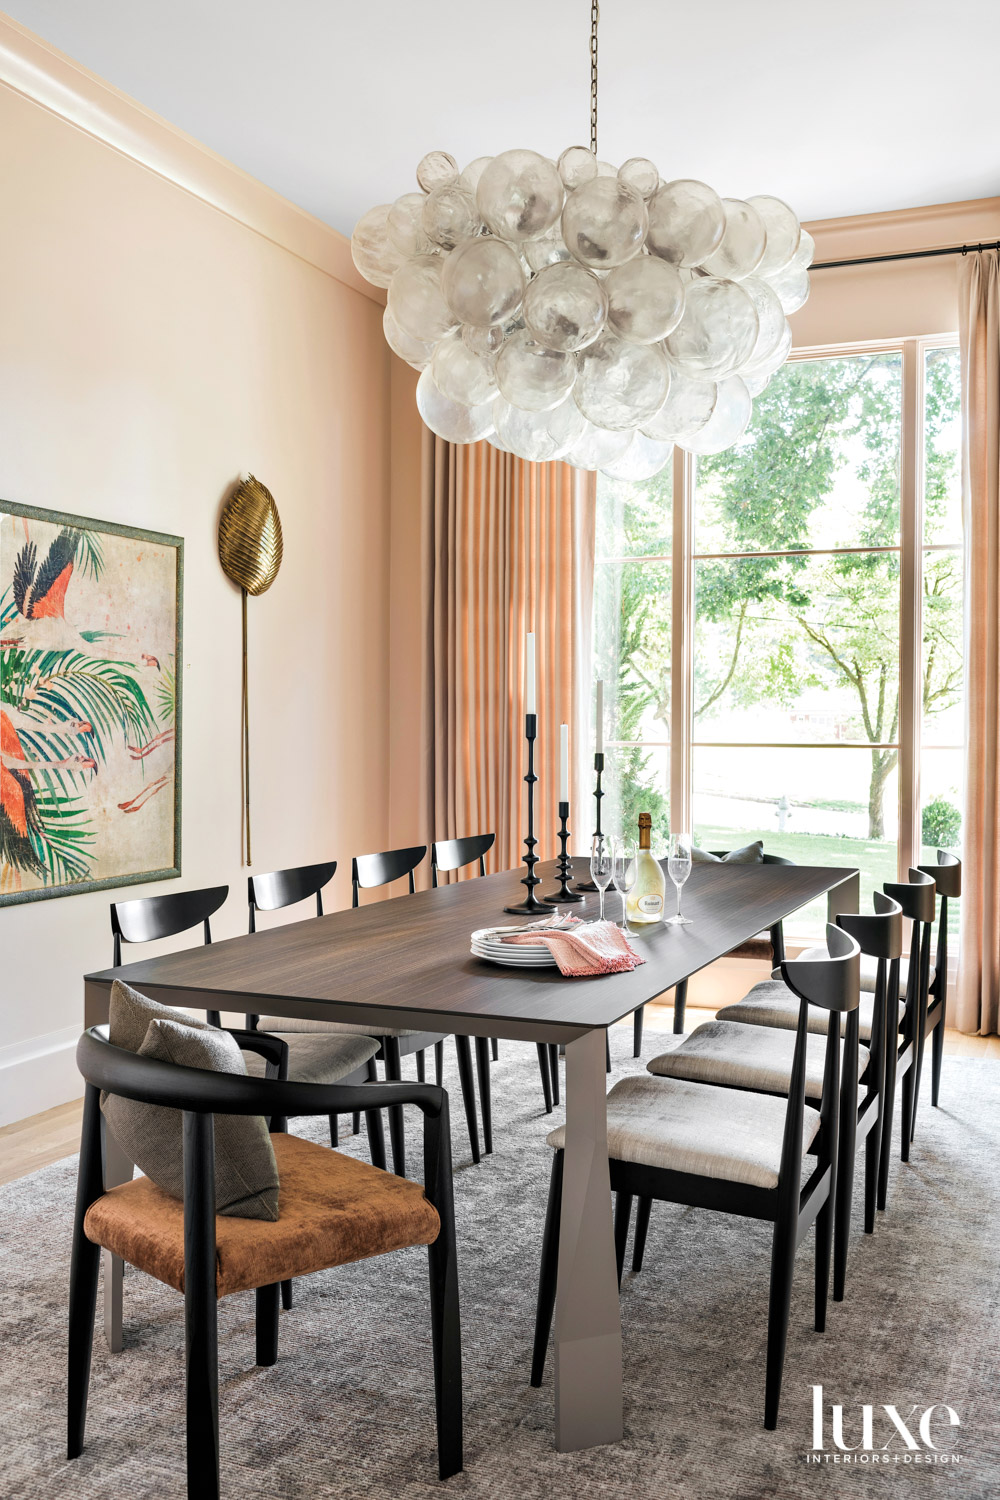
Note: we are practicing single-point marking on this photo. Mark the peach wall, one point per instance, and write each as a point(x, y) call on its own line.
point(151, 348)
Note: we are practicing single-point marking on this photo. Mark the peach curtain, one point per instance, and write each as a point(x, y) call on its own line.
point(508, 548)
point(978, 1004)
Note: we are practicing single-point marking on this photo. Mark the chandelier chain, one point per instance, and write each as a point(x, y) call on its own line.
point(595, 16)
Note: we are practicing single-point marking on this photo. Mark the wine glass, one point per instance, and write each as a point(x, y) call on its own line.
point(624, 871)
point(678, 868)
point(601, 863)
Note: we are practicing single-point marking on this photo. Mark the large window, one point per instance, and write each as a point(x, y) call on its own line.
point(784, 648)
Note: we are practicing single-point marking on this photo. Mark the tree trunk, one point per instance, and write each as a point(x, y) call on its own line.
point(883, 765)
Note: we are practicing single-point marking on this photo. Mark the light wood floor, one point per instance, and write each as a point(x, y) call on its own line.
point(48, 1137)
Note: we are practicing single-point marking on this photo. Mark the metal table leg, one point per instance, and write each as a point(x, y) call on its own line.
point(117, 1168)
point(588, 1330)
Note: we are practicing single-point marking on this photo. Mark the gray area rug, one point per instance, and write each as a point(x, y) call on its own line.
point(348, 1411)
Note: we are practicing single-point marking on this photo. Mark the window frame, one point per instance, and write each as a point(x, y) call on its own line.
point(912, 549)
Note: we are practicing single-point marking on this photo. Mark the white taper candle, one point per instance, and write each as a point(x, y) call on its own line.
point(600, 716)
point(529, 696)
point(563, 762)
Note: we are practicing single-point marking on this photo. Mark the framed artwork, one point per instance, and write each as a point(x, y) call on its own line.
point(90, 704)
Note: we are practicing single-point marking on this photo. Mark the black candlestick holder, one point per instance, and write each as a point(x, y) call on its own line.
point(531, 905)
point(588, 885)
point(563, 863)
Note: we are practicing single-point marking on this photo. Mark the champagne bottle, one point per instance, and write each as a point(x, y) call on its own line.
point(645, 899)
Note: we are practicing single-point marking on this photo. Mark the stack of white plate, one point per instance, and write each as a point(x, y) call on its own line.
point(487, 943)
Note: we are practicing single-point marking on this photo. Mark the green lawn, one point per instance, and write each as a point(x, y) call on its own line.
point(875, 859)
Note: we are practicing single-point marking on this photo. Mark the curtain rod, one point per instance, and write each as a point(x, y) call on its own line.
point(875, 260)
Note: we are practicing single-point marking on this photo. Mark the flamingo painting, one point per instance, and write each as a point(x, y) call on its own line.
point(88, 734)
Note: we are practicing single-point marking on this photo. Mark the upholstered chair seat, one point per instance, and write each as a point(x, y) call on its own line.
point(333, 1210)
point(746, 1057)
point(869, 969)
point(697, 1128)
point(319, 1058)
point(771, 1003)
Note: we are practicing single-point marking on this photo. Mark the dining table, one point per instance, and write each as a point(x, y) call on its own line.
point(406, 962)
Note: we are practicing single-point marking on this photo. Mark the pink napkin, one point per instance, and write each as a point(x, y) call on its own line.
point(587, 948)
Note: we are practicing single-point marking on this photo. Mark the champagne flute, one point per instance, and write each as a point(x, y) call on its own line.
point(601, 864)
point(624, 871)
point(678, 868)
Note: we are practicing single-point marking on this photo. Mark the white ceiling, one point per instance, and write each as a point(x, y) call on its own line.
point(841, 108)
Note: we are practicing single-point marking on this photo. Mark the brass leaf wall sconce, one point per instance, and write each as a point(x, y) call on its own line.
point(250, 550)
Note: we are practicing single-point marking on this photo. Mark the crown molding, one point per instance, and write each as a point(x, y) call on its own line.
point(50, 79)
point(930, 228)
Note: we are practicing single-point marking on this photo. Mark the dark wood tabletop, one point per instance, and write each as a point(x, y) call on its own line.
point(406, 961)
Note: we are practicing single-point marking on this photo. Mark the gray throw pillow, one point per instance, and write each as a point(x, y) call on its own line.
point(130, 1013)
point(246, 1172)
point(750, 854)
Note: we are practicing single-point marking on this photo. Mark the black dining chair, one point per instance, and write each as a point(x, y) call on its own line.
point(455, 854)
point(732, 1054)
point(917, 896)
point(149, 918)
point(947, 877)
point(734, 1151)
point(770, 948)
point(314, 1056)
point(308, 880)
point(364, 1212)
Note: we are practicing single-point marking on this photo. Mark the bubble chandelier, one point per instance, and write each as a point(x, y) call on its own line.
point(571, 310)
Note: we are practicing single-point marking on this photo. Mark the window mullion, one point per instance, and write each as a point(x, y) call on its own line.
point(682, 635)
point(910, 622)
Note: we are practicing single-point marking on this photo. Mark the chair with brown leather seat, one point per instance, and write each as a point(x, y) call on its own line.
point(332, 1209)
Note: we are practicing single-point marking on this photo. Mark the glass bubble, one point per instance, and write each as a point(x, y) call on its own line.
point(531, 376)
point(374, 254)
point(436, 169)
point(755, 383)
point(576, 166)
point(687, 409)
point(416, 301)
point(565, 307)
point(595, 448)
point(641, 174)
point(449, 419)
point(538, 435)
point(520, 195)
point(406, 225)
point(450, 215)
point(641, 460)
point(604, 223)
point(741, 248)
point(717, 333)
point(728, 422)
point(806, 253)
point(783, 232)
point(485, 342)
point(461, 375)
point(791, 286)
point(416, 352)
point(483, 282)
point(774, 361)
point(645, 300)
point(686, 222)
point(620, 385)
point(606, 169)
point(770, 319)
point(548, 250)
point(469, 178)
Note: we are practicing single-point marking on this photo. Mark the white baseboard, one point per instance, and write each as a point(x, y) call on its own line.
point(39, 1074)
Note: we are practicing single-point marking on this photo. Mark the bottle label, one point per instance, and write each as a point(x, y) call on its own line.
point(652, 905)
